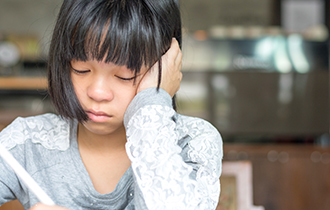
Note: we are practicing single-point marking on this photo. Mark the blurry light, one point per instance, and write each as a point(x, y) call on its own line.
point(220, 82)
point(265, 48)
point(236, 32)
point(272, 156)
point(218, 32)
point(281, 57)
point(298, 58)
point(200, 35)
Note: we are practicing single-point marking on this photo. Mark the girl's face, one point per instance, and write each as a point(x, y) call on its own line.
point(104, 91)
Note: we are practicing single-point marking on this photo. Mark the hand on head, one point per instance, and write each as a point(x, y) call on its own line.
point(40, 206)
point(171, 71)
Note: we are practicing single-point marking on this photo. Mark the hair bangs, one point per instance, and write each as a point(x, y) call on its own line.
point(124, 34)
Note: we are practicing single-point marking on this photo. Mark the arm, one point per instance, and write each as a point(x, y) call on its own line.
point(164, 179)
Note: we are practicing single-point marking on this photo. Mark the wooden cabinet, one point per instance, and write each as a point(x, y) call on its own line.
point(23, 83)
point(295, 177)
point(18, 93)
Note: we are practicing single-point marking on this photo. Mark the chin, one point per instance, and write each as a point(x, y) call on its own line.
point(100, 129)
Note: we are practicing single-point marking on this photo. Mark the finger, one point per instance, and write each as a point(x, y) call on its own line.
point(37, 206)
point(174, 50)
point(175, 47)
point(40, 206)
point(175, 43)
point(178, 59)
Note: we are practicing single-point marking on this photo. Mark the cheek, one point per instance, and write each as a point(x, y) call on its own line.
point(78, 92)
point(126, 95)
point(78, 89)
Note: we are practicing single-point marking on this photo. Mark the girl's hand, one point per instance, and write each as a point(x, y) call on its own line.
point(171, 71)
point(40, 206)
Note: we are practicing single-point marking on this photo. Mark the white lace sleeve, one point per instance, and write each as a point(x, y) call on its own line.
point(165, 179)
point(49, 130)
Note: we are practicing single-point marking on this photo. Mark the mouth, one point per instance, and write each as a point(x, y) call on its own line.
point(97, 116)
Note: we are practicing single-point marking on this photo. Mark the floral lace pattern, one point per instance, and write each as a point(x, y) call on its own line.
point(168, 176)
point(162, 174)
point(49, 130)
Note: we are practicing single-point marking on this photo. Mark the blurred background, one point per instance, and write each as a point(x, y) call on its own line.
point(258, 70)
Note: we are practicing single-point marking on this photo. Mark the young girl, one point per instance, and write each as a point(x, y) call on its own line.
point(117, 142)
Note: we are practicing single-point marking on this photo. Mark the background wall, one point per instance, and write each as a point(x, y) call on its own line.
point(29, 17)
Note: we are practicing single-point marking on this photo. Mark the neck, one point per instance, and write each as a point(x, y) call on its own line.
point(109, 144)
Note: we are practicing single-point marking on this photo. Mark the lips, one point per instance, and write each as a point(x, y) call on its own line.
point(98, 116)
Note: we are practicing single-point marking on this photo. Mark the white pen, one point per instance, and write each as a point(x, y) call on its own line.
point(25, 177)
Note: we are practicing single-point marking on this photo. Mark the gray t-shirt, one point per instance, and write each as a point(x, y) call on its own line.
point(175, 160)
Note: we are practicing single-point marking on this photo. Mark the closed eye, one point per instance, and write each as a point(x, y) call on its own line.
point(126, 79)
point(80, 71)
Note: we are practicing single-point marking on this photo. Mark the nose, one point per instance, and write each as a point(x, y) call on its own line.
point(99, 90)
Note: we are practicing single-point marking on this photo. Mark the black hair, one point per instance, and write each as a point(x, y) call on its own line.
point(125, 32)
